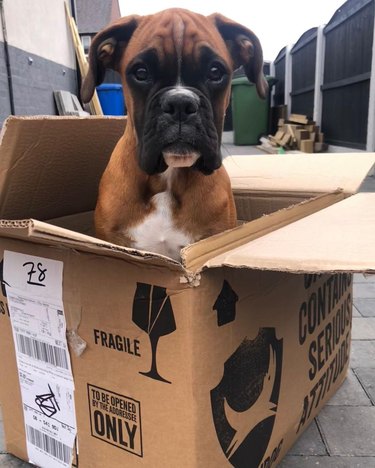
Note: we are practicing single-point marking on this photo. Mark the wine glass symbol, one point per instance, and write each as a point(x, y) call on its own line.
point(153, 313)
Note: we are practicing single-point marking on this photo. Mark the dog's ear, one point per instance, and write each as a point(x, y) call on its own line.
point(105, 52)
point(244, 48)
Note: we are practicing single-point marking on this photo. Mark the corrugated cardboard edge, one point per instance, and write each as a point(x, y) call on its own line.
point(208, 253)
point(193, 257)
point(11, 119)
point(336, 239)
point(44, 233)
point(196, 255)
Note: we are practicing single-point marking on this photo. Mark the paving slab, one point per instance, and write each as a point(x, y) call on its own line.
point(291, 461)
point(351, 393)
point(363, 328)
point(348, 430)
point(310, 442)
point(365, 306)
point(2, 438)
point(364, 290)
point(366, 377)
point(8, 461)
point(364, 278)
point(355, 312)
point(362, 354)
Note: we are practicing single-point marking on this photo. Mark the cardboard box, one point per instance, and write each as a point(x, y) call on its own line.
point(220, 360)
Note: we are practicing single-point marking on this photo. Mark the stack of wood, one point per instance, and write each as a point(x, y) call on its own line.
point(95, 107)
point(298, 133)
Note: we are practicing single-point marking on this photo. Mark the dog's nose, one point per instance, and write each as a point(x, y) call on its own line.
point(180, 104)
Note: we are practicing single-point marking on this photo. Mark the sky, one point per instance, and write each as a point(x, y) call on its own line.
point(277, 23)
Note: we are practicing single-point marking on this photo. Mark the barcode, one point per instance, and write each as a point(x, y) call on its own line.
point(42, 351)
point(48, 444)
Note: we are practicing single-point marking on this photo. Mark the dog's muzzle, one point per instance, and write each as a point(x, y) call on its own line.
point(179, 131)
point(180, 105)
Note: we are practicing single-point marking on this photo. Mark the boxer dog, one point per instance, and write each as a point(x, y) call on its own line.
point(164, 186)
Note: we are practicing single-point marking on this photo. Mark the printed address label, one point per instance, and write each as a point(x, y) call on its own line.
point(34, 293)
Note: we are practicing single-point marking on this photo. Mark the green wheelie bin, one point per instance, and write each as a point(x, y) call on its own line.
point(249, 111)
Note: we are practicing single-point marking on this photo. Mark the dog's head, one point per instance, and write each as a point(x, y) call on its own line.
point(176, 69)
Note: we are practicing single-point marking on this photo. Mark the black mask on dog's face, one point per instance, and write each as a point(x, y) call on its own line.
point(180, 109)
point(177, 83)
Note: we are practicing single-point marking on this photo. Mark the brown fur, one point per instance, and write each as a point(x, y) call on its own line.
point(202, 204)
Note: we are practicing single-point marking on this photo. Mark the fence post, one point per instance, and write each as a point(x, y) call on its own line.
point(272, 73)
point(288, 79)
point(370, 143)
point(319, 75)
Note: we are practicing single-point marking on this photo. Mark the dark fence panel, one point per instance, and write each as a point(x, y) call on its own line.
point(303, 103)
point(279, 96)
point(303, 73)
point(345, 112)
point(347, 67)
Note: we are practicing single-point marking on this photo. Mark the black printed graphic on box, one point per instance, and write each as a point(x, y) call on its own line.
point(152, 312)
point(4, 309)
point(115, 419)
point(244, 403)
point(3, 283)
point(325, 319)
point(225, 305)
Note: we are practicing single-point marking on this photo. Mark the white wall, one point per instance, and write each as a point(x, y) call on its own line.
point(1, 32)
point(40, 27)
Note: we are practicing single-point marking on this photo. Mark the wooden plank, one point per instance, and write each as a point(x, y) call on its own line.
point(307, 146)
point(298, 118)
point(292, 128)
point(285, 139)
point(302, 134)
point(310, 128)
point(267, 149)
point(279, 135)
point(320, 147)
point(95, 106)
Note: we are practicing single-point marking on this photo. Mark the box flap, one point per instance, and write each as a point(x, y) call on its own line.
point(51, 166)
point(44, 233)
point(307, 173)
point(338, 238)
point(195, 255)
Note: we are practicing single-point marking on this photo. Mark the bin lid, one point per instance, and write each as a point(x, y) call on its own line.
point(242, 80)
point(109, 86)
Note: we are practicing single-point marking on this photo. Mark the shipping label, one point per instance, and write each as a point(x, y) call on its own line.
point(34, 294)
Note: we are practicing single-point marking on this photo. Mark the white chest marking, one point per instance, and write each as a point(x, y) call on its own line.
point(157, 232)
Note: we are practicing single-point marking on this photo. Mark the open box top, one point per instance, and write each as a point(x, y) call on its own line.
point(50, 169)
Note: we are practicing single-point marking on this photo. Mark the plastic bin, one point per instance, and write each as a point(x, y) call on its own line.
point(111, 99)
point(249, 111)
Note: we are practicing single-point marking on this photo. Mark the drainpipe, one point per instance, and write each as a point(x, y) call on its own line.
point(288, 79)
point(370, 144)
point(7, 61)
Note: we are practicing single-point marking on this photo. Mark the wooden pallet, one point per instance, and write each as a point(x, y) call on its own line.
point(298, 132)
point(95, 107)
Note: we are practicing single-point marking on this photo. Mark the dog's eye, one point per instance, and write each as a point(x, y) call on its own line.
point(216, 73)
point(141, 73)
